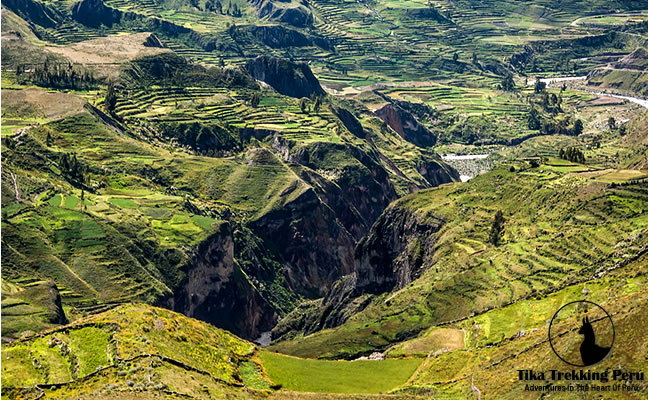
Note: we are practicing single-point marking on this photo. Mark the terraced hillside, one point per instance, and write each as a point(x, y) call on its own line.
point(275, 169)
point(577, 221)
point(127, 203)
point(133, 351)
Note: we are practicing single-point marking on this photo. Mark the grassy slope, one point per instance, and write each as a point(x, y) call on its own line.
point(86, 235)
point(571, 225)
point(130, 349)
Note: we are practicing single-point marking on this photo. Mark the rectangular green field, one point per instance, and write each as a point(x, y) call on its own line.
point(323, 376)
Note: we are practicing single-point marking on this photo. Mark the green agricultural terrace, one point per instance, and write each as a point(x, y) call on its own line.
point(324, 199)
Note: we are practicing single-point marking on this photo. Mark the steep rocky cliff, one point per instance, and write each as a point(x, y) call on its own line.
point(215, 289)
point(392, 254)
point(278, 36)
point(313, 244)
point(406, 125)
point(286, 77)
point(94, 13)
point(390, 257)
point(295, 13)
point(34, 12)
point(435, 171)
point(364, 182)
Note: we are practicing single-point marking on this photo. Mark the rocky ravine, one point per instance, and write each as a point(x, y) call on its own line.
point(388, 258)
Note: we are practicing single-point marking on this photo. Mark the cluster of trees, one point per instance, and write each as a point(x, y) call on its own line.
point(217, 7)
point(552, 103)
point(572, 154)
point(507, 83)
point(56, 75)
point(111, 98)
point(255, 99)
point(496, 228)
point(200, 137)
point(316, 105)
point(72, 168)
point(563, 127)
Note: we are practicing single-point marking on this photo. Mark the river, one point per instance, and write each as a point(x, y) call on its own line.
point(636, 100)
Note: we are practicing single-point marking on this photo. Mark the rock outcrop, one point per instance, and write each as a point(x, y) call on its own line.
point(364, 183)
point(153, 41)
point(94, 13)
point(215, 289)
point(295, 13)
point(278, 36)
point(349, 121)
point(329, 312)
point(392, 254)
point(390, 257)
point(286, 77)
point(406, 125)
point(34, 12)
point(435, 170)
point(314, 246)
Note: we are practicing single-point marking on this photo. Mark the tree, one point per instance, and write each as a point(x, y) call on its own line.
point(540, 86)
point(508, 84)
point(612, 123)
point(572, 154)
point(236, 12)
point(578, 127)
point(317, 104)
point(545, 101)
point(622, 130)
point(254, 101)
point(554, 99)
point(48, 139)
point(303, 106)
point(533, 119)
point(111, 98)
point(496, 228)
point(474, 58)
point(455, 57)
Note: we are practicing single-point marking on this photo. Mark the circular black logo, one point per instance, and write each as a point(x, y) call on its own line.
point(581, 333)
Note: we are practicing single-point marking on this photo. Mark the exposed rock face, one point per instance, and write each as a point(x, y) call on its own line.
point(364, 183)
point(278, 36)
point(57, 314)
point(404, 123)
point(350, 121)
point(153, 41)
point(338, 305)
point(392, 255)
point(216, 290)
point(34, 12)
point(637, 60)
point(435, 171)
point(314, 246)
point(387, 259)
point(286, 77)
point(94, 13)
point(628, 74)
point(293, 13)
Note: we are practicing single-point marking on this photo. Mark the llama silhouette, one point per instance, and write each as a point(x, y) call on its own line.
point(591, 353)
